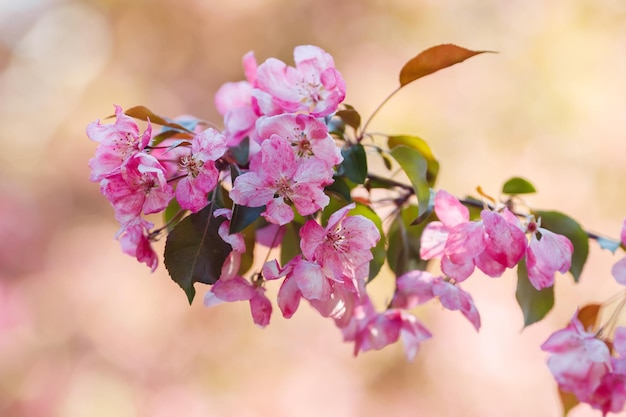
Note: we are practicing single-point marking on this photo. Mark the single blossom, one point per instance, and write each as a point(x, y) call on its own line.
point(139, 187)
point(546, 256)
point(417, 287)
point(578, 359)
point(135, 241)
point(234, 101)
point(313, 86)
point(343, 247)
point(232, 287)
point(280, 179)
point(307, 135)
point(117, 142)
point(201, 175)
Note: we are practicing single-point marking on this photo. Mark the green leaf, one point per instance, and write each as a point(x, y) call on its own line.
point(535, 304)
point(415, 166)
point(243, 217)
point(247, 258)
point(354, 165)
point(432, 60)
point(564, 225)
point(350, 117)
point(517, 185)
point(172, 209)
point(422, 147)
point(404, 243)
point(143, 113)
point(194, 252)
point(290, 245)
point(340, 188)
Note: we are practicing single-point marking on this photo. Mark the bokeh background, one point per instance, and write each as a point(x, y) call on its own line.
point(86, 331)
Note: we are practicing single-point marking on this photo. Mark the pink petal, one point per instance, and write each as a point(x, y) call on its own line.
point(311, 281)
point(450, 210)
point(433, 240)
point(619, 271)
point(506, 242)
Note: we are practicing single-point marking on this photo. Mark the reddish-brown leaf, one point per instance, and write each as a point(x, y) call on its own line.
point(432, 60)
point(568, 401)
point(588, 316)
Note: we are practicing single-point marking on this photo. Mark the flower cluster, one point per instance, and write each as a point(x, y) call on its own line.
point(281, 174)
point(495, 242)
point(582, 364)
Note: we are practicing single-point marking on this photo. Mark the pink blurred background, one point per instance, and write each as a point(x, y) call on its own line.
point(86, 331)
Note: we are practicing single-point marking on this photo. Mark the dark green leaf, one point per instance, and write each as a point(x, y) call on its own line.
point(194, 252)
point(517, 185)
point(422, 147)
point(350, 117)
point(404, 243)
point(241, 152)
point(340, 188)
point(534, 304)
point(432, 60)
point(354, 165)
point(143, 113)
point(386, 159)
point(290, 245)
point(243, 217)
point(564, 225)
point(415, 167)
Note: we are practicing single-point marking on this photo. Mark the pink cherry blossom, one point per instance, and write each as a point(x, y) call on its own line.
point(343, 247)
point(610, 395)
point(417, 287)
point(140, 187)
point(117, 142)
point(579, 359)
point(307, 135)
point(234, 101)
point(134, 239)
point(371, 330)
point(279, 180)
point(199, 168)
point(546, 256)
point(313, 86)
point(233, 287)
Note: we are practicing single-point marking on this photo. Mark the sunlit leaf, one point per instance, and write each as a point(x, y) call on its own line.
point(588, 316)
point(432, 60)
point(247, 258)
point(415, 166)
point(517, 185)
point(354, 165)
point(422, 147)
point(173, 209)
point(562, 224)
point(404, 243)
point(194, 252)
point(290, 246)
point(143, 113)
point(535, 304)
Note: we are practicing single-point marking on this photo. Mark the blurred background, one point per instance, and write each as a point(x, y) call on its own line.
point(87, 331)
